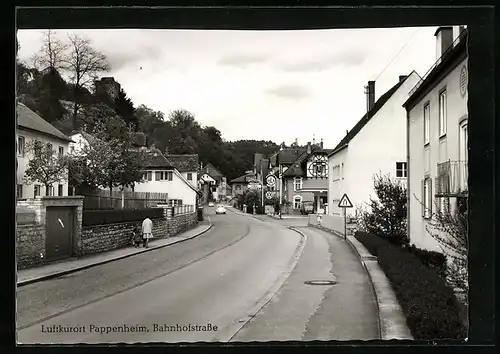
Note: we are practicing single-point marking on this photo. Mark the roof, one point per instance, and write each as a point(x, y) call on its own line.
point(241, 179)
point(29, 120)
point(448, 61)
point(212, 171)
point(288, 156)
point(297, 168)
point(185, 162)
point(157, 160)
point(367, 117)
point(84, 134)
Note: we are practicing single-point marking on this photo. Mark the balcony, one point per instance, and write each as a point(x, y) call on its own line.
point(451, 180)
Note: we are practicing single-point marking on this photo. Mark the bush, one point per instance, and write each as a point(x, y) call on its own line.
point(103, 217)
point(370, 241)
point(386, 216)
point(434, 260)
point(431, 308)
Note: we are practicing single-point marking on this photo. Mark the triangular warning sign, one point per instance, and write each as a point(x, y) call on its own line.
point(345, 202)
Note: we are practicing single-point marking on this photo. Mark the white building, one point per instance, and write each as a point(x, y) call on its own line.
point(437, 119)
point(160, 176)
point(187, 165)
point(375, 145)
point(30, 126)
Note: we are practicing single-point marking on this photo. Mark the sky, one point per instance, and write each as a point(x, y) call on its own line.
point(263, 85)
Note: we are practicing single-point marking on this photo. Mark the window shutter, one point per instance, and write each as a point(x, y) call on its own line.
point(430, 197)
point(424, 198)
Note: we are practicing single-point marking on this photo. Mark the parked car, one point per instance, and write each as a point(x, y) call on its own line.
point(211, 204)
point(306, 208)
point(220, 209)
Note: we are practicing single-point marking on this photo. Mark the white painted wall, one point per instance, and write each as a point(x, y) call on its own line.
point(194, 180)
point(178, 188)
point(79, 143)
point(337, 185)
point(456, 112)
point(375, 149)
point(29, 189)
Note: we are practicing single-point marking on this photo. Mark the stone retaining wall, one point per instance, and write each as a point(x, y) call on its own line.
point(30, 245)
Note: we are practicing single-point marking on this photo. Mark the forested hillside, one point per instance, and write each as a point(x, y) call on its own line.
point(71, 104)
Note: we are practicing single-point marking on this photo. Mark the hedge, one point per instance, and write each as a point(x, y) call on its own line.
point(371, 242)
point(103, 217)
point(434, 260)
point(431, 308)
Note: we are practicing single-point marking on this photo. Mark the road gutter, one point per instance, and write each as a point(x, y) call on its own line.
point(87, 266)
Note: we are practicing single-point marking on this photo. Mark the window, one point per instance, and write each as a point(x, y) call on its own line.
point(169, 175)
point(37, 190)
point(60, 190)
point(238, 187)
point(427, 198)
point(427, 121)
point(442, 113)
point(189, 176)
point(214, 189)
point(297, 200)
point(297, 183)
point(336, 172)
point(443, 205)
point(61, 151)
point(71, 149)
point(51, 191)
point(342, 170)
point(401, 169)
point(148, 176)
point(49, 146)
point(19, 191)
point(20, 145)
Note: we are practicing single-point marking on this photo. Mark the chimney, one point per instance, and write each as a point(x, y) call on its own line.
point(444, 39)
point(308, 147)
point(296, 141)
point(314, 139)
point(321, 144)
point(402, 77)
point(370, 95)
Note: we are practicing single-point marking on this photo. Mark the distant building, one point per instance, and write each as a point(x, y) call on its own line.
point(107, 86)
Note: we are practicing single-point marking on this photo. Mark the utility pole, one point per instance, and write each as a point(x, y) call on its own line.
point(281, 185)
point(262, 187)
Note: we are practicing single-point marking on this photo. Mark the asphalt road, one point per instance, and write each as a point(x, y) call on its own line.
point(205, 289)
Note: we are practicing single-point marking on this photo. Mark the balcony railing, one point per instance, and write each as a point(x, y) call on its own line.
point(452, 179)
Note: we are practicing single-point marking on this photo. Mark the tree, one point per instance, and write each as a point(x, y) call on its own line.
point(125, 108)
point(450, 229)
point(45, 166)
point(84, 64)
point(386, 216)
point(149, 120)
point(51, 54)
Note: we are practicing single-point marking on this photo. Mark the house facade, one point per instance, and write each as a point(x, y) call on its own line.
point(375, 145)
point(437, 137)
point(239, 185)
point(160, 176)
point(212, 183)
point(30, 127)
point(306, 180)
point(187, 165)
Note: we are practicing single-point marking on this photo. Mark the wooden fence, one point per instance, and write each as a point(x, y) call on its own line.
point(103, 199)
point(183, 209)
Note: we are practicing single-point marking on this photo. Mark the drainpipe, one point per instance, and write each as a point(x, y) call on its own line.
point(408, 174)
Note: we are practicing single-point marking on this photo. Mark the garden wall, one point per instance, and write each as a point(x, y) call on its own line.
point(30, 245)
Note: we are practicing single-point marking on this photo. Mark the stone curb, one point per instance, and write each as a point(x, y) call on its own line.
point(391, 318)
point(73, 270)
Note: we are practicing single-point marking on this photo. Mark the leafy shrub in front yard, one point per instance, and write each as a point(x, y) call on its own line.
point(431, 308)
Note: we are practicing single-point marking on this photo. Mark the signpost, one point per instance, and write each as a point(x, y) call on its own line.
point(345, 203)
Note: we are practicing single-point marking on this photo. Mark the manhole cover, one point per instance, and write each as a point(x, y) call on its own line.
point(320, 282)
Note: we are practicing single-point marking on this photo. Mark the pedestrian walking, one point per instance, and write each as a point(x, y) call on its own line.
point(147, 231)
point(137, 237)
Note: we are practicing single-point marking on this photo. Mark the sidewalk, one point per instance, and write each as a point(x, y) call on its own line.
point(283, 217)
point(36, 274)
